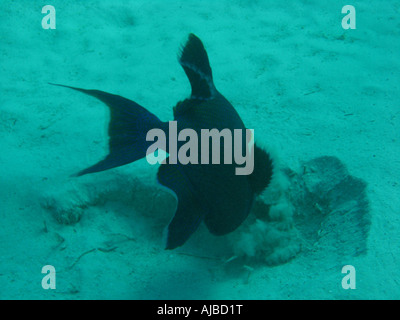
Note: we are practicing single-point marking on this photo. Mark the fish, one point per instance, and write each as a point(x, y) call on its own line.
point(210, 193)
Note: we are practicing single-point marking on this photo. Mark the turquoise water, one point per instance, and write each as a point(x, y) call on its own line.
point(321, 99)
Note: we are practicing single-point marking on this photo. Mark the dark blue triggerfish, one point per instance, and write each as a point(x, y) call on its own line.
point(212, 193)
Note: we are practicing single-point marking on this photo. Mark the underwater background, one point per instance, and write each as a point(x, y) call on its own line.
point(323, 100)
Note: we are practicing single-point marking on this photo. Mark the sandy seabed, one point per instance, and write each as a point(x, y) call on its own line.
point(308, 87)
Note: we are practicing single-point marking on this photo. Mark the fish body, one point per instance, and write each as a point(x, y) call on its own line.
point(212, 193)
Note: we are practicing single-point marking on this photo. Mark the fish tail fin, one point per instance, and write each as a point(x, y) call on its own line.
point(261, 176)
point(195, 63)
point(127, 130)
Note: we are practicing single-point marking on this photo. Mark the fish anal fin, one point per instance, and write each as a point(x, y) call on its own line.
point(189, 212)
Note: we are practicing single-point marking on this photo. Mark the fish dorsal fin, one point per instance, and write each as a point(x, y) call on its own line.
point(194, 61)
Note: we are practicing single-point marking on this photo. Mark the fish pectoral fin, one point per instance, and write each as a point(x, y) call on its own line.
point(127, 130)
point(195, 63)
point(189, 212)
